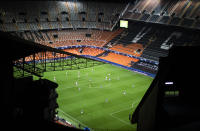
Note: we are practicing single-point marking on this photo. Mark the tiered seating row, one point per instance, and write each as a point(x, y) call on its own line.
point(91, 51)
point(85, 51)
point(147, 67)
point(70, 37)
point(113, 57)
point(120, 59)
point(132, 49)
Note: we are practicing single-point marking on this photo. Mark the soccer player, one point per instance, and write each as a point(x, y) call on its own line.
point(109, 76)
point(106, 78)
point(106, 100)
point(124, 92)
point(82, 111)
point(54, 78)
point(76, 83)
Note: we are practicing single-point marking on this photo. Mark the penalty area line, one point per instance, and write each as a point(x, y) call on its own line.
point(125, 108)
point(71, 117)
point(120, 111)
point(112, 114)
point(121, 120)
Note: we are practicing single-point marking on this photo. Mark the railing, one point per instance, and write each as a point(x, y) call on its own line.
point(30, 68)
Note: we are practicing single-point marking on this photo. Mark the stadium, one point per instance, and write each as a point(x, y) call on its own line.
point(121, 65)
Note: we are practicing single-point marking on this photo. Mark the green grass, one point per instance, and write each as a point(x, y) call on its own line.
point(93, 93)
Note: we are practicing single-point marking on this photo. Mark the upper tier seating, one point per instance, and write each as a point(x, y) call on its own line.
point(175, 12)
point(41, 15)
point(71, 37)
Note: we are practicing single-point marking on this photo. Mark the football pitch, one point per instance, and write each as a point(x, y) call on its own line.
point(99, 97)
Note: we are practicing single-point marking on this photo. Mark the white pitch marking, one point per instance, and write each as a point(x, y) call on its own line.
point(72, 117)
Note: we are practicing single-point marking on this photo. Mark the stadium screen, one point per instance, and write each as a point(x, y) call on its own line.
point(124, 23)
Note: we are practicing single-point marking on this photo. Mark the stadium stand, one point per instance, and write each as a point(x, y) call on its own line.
point(91, 29)
point(73, 50)
point(142, 40)
point(60, 24)
point(59, 38)
point(131, 49)
point(60, 14)
point(91, 51)
point(147, 67)
point(120, 59)
point(85, 51)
